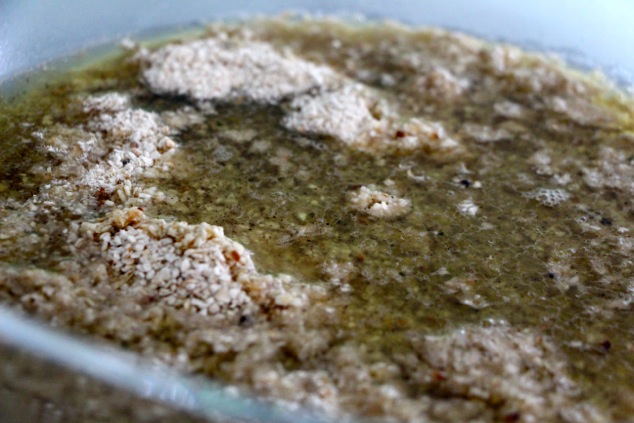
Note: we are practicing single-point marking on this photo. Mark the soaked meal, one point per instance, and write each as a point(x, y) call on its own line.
point(362, 219)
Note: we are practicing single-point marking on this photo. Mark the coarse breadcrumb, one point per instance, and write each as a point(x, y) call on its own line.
point(521, 367)
point(195, 267)
point(377, 203)
point(468, 208)
point(322, 101)
point(220, 68)
point(357, 117)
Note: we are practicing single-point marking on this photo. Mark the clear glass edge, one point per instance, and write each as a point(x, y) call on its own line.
point(132, 373)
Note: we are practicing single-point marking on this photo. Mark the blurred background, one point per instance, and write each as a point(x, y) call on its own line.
point(592, 32)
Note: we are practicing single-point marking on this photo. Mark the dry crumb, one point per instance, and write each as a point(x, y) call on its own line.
point(521, 371)
point(378, 204)
point(468, 208)
point(542, 161)
point(343, 114)
point(187, 266)
point(355, 115)
point(509, 109)
point(217, 68)
point(223, 69)
point(563, 275)
point(110, 102)
point(339, 273)
point(440, 83)
point(462, 289)
point(418, 178)
point(136, 141)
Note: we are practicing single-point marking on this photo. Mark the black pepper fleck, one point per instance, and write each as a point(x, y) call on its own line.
point(245, 320)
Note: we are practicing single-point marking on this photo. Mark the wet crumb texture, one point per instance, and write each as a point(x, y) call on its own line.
point(363, 219)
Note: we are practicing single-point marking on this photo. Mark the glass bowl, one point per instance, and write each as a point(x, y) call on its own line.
point(48, 375)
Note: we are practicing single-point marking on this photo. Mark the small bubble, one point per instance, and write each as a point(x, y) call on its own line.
point(548, 197)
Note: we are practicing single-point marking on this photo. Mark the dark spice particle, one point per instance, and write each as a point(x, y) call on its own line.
point(438, 375)
point(606, 345)
point(465, 183)
point(551, 275)
point(245, 321)
point(101, 195)
point(512, 417)
point(606, 221)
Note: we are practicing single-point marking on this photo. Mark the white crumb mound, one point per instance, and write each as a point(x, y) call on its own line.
point(184, 266)
point(109, 102)
point(354, 115)
point(126, 143)
point(322, 100)
point(344, 114)
point(519, 370)
point(378, 204)
point(218, 68)
point(195, 267)
point(99, 164)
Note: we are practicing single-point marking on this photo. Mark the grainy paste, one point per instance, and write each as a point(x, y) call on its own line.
point(364, 219)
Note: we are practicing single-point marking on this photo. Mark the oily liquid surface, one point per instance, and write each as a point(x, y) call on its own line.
point(287, 204)
point(296, 225)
